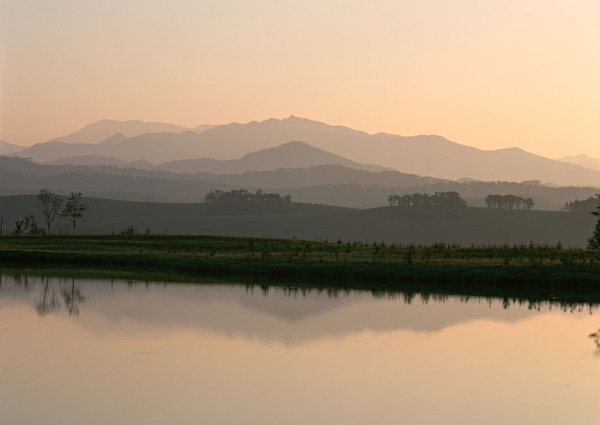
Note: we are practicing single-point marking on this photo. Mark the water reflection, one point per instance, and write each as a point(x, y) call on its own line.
point(48, 301)
point(146, 352)
point(73, 298)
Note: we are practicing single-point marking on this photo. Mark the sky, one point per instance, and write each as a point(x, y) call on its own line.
point(484, 73)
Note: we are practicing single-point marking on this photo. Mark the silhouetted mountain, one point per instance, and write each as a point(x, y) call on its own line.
point(102, 130)
point(288, 155)
point(152, 147)
point(8, 148)
point(421, 155)
point(115, 138)
point(203, 127)
point(583, 160)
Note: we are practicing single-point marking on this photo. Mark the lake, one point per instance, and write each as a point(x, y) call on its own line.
point(91, 351)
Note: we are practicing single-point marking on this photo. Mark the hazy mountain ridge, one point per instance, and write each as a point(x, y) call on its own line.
point(422, 155)
point(583, 160)
point(8, 148)
point(100, 131)
point(327, 184)
point(288, 155)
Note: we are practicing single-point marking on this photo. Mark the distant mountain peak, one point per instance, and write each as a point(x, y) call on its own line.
point(115, 138)
point(8, 148)
point(101, 130)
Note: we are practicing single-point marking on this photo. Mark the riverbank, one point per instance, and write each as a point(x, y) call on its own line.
point(520, 271)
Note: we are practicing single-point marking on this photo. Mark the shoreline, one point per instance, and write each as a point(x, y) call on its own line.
point(534, 272)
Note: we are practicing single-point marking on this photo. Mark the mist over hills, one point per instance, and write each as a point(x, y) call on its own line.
point(326, 184)
point(421, 155)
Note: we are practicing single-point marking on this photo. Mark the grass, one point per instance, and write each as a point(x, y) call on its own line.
point(532, 271)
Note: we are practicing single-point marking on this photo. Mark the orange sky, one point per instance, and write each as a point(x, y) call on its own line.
point(489, 74)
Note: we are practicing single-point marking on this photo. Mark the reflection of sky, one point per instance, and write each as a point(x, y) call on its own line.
point(289, 316)
point(213, 354)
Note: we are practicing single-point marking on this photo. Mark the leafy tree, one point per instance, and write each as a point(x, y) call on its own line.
point(508, 202)
point(441, 200)
point(594, 241)
point(49, 204)
point(74, 209)
point(28, 225)
point(243, 202)
point(581, 206)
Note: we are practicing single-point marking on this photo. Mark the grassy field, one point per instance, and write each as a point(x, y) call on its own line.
point(538, 272)
point(479, 226)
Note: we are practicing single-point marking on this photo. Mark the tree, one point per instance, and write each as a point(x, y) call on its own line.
point(28, 225)
point(529, 204)
point(74, 209)
point(594, 241)
point(49, 204)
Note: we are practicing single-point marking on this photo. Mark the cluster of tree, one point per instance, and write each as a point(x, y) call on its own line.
point(447, 200)
point(242, 195)
point(586, 205)
point(243, 202)
point(509, 202)
point(50, 206)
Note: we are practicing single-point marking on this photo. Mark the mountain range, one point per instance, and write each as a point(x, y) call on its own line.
point(331, 184)
point(225, 148)
point(103, 130)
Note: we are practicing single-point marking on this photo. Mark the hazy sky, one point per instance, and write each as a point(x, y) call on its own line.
point(485, 73)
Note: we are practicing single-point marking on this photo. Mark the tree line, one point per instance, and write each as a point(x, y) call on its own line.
point(450, 200)
point(509, 202)
point(51, 206)
point(585, 205)
point(241, 201)
point(242, 195)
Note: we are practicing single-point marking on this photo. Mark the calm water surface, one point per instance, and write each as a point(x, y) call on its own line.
point(78, 351)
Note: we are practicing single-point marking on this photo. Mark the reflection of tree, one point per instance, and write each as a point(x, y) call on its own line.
point(596, 339)
point(49, 302)
point(72, 299)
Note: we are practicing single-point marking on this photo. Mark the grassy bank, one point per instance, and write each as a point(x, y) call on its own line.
point(526, 271)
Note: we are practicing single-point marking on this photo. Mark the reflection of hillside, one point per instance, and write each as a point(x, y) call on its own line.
point(275, 314)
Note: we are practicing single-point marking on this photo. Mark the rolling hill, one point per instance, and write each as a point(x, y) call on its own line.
point(288, 155)
point(479, 226)
point(327, 184)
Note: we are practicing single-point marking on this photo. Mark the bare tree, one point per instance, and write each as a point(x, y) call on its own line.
point(49, 204)
point(74, 209)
